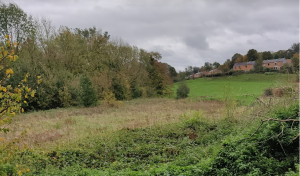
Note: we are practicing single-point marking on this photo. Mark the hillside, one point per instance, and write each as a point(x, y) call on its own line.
point(244, 87)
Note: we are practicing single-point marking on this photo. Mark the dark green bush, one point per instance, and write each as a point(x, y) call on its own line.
point(88, 94)
point(268, 92)
point(182, 90)
point(7, 169)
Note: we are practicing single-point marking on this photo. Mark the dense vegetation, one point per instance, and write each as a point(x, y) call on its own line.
point(71, 67)
point(194, 146)
point(65, 56)
point(239, 141)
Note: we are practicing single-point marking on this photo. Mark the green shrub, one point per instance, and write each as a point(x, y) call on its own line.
point(268, 92)
point(266, 153)
point(270, 73)
point(88, 94)
point(182, 91)
point(7, 169)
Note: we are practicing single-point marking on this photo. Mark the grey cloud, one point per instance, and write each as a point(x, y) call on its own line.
point(162, 51)
point(250, 42)
point(185, 32)
point(196, 41)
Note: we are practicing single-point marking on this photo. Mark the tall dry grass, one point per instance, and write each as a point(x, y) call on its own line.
point(62, 127)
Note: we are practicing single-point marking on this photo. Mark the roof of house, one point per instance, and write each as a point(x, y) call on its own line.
point(244, 63)
point(274, 60)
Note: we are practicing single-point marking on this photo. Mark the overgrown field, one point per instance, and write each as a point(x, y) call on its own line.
point(244, 87)
point(164, 136)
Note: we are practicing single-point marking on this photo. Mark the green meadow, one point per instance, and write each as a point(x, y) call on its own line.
point(244, 87)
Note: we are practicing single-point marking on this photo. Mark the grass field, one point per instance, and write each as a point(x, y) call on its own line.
point(64, 127)
point(164, 136)
point(244, 87)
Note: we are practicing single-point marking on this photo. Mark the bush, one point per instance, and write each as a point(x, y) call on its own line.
point(270, 73)
point(88, 94)
point(182, 91)
point(268, 92)
point(266, 153)
point(7, 169)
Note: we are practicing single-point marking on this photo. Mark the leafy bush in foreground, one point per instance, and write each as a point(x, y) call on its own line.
point(269, 152)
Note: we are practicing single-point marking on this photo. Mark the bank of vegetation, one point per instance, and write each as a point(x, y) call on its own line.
point(67, 59)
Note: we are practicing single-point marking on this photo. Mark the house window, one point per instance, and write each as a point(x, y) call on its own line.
point(275, 63)
point(268, 64)
point(246, 66)
point(275, 68)
point(239, 67)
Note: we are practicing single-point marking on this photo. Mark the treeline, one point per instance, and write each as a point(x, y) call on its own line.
point(252, 55)
point(79, 66)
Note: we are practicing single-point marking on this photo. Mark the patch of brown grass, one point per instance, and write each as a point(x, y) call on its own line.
point(47, 136)
point(49, 129)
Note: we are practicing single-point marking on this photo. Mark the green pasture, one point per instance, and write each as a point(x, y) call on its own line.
point(244, 87)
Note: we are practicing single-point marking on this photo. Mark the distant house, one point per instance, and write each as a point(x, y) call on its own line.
point(246, 66)
point(276, 64)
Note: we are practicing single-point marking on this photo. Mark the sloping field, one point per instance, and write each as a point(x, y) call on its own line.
point(244, 87)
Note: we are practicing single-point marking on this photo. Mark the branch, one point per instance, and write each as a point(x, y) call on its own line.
point(277, 120)
point(262, 102)
point(279, 140)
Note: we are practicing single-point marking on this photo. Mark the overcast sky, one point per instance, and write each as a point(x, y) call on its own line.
point(185, 32)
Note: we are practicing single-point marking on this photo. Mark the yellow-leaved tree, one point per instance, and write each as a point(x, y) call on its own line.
point(11, 99)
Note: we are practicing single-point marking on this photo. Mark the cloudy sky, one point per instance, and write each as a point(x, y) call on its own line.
point(185, 32)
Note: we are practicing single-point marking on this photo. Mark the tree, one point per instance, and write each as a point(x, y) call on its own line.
point(280, 54)
point(252, 55)
point(295, 61)
point(292, 50)
point(245, 58)
point(226, 66)
point(276, 56)
point(189, 70)
point(236, 56)
point(208, 66)
point(88, 93)
point(11, 99)
point(216, 65)
point(158, 75)
point(267, 55)
point(172, 71)
point(15, 22)
point(258, 65)
point(196, 69)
